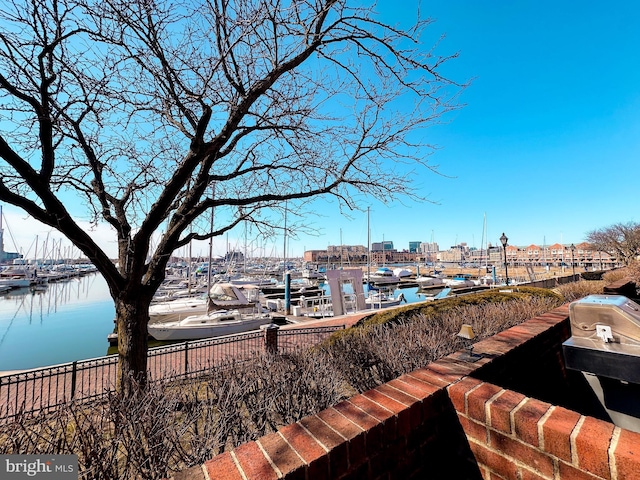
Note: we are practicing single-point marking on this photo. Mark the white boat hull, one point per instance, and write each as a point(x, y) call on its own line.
point(382, 304)
point(15, 282)
point(203, 326)
point(429, 281)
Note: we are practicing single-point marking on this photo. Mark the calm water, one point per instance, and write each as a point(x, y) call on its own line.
point(67, 321)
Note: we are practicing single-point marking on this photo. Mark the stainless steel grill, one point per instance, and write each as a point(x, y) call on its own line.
point(605, 346)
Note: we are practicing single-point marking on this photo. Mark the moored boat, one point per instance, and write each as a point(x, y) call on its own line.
point(462, 280)
point(428, 280)
point(382, 300)
point(16, 282)
point(213, 324)
point(383, 275)
point(221, 295)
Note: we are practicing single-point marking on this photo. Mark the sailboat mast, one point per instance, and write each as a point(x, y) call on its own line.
point(1, 237)
point(213, 192)
point(340, 249)
point(368, 248)
point(485, 238)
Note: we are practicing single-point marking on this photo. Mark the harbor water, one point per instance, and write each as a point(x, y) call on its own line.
point(63, 322)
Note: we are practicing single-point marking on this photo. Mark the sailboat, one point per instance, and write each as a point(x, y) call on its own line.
point(486, 278)
point(381, 299)
point(227, 312)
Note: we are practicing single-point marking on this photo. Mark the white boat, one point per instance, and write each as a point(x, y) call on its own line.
point(15, 282)
point(462, 280)
point(174, 310)
point(221, 294)
point(428, 280)
point(402, 272)
point(382, 300)
point(383, 275)
point(256, 281)
point(214, 324)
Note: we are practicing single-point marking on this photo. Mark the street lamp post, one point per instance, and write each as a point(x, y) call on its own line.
point(503, 240)
point(573, 265)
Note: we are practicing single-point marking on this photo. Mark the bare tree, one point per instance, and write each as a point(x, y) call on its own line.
point(620, 239)
point(152, 113)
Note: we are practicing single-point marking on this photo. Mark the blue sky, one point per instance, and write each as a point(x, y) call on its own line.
point(547, 146)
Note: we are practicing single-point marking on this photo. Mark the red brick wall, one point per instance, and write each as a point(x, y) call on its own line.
point(513, 436)
point(441, 422)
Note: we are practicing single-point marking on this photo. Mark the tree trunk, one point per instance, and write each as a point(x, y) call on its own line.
point(132, 316)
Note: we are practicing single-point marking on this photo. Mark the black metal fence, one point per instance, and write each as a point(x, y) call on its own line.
point(47, 388)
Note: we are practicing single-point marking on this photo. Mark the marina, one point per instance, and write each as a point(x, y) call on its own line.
point(70, 320)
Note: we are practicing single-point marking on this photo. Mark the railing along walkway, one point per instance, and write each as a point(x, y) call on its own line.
point(47, 388)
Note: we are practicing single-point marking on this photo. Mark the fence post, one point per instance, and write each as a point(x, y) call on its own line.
point(270, 337)
point(186, 358)
point(74, 370)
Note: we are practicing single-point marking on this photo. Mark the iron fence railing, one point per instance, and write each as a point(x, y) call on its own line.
point(47, 388)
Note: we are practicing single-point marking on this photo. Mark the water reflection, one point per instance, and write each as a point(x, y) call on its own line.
point(62, 322)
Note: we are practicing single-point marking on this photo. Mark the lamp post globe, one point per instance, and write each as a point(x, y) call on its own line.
point(503, 241)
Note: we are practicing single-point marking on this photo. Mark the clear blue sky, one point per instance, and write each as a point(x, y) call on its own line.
point(547, 146)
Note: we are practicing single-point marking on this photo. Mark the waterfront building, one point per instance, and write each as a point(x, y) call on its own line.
point(383, 257)
point(585, 256)
point(382, 246)
point(456, 253)
point(347, 254)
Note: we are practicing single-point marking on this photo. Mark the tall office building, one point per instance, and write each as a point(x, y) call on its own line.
point(386, 246)
point(414, 247)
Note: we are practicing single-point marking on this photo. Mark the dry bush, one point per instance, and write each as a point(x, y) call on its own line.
point(576, 290)
point(383, 352)
point(633, 272)
point(615, 275)
point(146, 436)
point(286, 388)
point(168, 427)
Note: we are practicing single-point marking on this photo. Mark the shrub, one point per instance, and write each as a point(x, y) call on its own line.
point(576, 290)
point(377, 352)
point(633, 272)
point(169, 427)
point(615, 275)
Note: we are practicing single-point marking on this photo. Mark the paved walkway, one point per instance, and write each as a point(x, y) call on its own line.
point(346, 320)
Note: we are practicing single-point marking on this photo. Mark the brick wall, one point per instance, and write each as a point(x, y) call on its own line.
point(453, 419)
point(513, 436)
